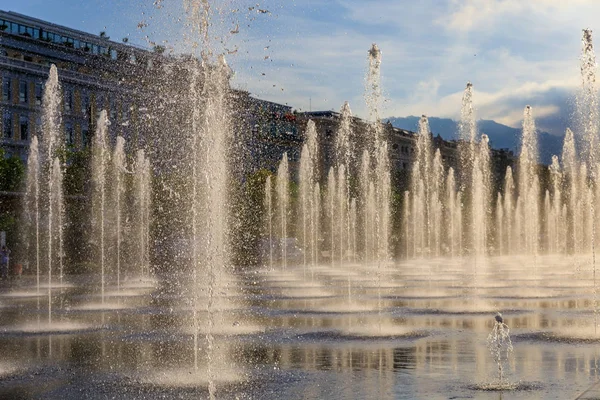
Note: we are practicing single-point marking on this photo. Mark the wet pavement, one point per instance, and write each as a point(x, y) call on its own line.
point(411, 330)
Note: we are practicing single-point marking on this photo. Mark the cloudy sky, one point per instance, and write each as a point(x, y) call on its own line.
point(313, 53)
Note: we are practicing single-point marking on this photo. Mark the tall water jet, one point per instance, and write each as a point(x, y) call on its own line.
point(510, 240)
point(118, 192)
point(582, 208)
point(51, 119)
point(331, 213)
point(382, 184)
point(435, 206)
point(213, 137)
point(305, 189)
point(51, 174)
point(283, 203)
point(421, 186)
point(373, 98)
point(343, 158)
point(589, 119)
point(100, 163)
point(32, 211)
point(459, 222)
point(481, 183)
point(554, 217)
point(371, 224)
point(467, 130)
point(364, 179)
point(528, 195)
point(269, 216)
point(353, 228)
point(342, 211)
point(453, 221)
point(587, 112)
point(571, 178)
point(308, 176)
point(197, 205)
point(343, 145)
point(368, 169)
point(384, 197)
point(317, 222)
point(211, 132)
point(499, 224)
point(56, 217)
point(142, 210)
point(406, 225)
point(420, 231)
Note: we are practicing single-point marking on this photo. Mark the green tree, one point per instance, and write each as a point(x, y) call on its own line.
point(247, 211)
point(12, 172)
point(77, 170)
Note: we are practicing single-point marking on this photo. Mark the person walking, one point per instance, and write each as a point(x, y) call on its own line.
point(4, 260)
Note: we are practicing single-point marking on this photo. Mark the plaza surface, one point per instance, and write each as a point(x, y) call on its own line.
point(415, 329)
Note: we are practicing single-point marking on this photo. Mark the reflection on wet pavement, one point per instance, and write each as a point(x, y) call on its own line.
point(418, 331)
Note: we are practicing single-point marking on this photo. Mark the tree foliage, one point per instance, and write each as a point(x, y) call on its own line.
point(12, 173)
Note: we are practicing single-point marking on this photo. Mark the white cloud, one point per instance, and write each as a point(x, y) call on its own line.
point(467, 15)
point(514, 118)
point(514, 51)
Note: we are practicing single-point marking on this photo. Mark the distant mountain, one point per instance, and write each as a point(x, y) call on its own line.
point(501, 136)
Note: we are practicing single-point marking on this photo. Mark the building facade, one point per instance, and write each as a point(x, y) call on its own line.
point(136, 86)
point(95, 73)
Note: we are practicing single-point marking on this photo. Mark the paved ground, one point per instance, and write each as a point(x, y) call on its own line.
point(593, 393)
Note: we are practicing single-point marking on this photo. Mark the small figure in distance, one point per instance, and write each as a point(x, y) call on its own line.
point(4, 258)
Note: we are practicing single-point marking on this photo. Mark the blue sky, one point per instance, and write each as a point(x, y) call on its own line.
point(310, 52)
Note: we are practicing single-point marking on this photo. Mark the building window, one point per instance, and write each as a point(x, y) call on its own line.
point(6, 89)
point(68, 99)
point(69, 134)
point(99, 104)
point(85, 103)
point(124, 112)
point(112, 114)
point(38, 125)
point(22, 91)
point(85, 134)
point(24, 127)
point(39, 93)
point(7, 125)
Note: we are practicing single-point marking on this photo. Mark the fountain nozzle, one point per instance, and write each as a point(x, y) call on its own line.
point(498, 318)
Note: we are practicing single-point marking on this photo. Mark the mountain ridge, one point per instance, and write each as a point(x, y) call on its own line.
point(501, 136)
